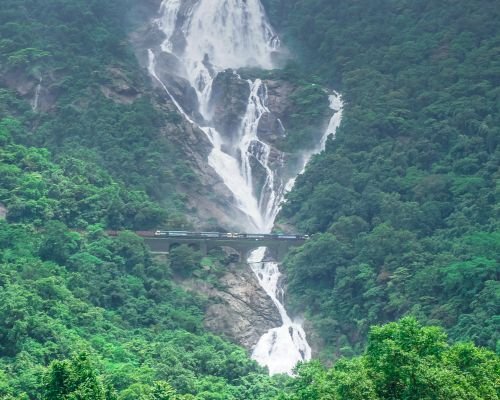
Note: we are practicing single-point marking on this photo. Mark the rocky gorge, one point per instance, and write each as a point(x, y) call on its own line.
point(212, 62)
point(284, 135)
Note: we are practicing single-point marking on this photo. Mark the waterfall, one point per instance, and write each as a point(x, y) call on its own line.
point(208, 37)
point(251, 147)
point(281, 348)
point(220, 34)
point(36, 98)
point(221, 162)
point(336, 105)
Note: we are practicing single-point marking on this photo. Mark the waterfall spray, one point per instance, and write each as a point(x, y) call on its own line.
point(222, 34)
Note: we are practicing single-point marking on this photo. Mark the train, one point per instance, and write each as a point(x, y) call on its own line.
point(229, 235)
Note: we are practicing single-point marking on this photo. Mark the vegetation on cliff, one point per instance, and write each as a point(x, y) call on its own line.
point(403, 209)
point(404, 205)
point(94, 105)
point(64, 294)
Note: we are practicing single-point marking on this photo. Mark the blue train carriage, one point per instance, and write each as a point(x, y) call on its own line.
point(287, 237)
point(256, 236)
point(211, 234)
point(175, 233)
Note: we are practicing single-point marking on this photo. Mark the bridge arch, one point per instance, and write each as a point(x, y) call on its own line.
point(273, 253)
point(192, 245)
point(244, 249)
point(231, 252)
point(277, 248)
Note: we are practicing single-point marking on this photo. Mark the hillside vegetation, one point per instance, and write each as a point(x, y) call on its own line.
point(403, 208)
point(95, 105)
point(64, 295)
point(404, 203)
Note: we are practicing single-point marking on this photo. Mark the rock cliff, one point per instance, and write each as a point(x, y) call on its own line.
point(239, 309)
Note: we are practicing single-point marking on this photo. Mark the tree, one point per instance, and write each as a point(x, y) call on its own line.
point(411, 362)
point(75, 379)
point(403, 361)
point(184, 260)
point(162, 391)
point(58, 243)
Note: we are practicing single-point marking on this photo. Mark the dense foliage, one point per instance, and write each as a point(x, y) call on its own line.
point(92, 151)
point(96, 101)
point(35, 189)
point(404, 203)
point(403, 207)
point(403, 361)
point(63, 294)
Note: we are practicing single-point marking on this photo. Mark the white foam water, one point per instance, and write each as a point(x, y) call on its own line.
point(281, 348)
point(36, 98)
point(222, 34)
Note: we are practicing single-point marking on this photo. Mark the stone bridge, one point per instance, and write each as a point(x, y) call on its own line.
point(243, 246)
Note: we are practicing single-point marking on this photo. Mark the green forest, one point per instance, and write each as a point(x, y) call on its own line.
point(80, 49)
point(400, 276)
point(403, 205)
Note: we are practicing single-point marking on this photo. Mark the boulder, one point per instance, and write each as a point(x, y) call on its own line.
point(239, 308)
point(228, 103)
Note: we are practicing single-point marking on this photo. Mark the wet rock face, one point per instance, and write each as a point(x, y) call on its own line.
point(44, 88)
point(314, 339)
point(168, 70)
point(278, 96)
point(271, 128)
point(120, 88)
point(228, 103)
point(239, 308)
point(210, 200)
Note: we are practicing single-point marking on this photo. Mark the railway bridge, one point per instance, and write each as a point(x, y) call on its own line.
point(277, 245)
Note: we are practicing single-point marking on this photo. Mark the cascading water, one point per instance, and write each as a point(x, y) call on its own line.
point(251, 147)
point(221, 34)
point(336, 105)
point(280, 349)
point(208, 37)
point(36, 98)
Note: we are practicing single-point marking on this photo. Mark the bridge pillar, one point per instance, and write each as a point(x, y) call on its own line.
point(281, 253)
point(204, 248)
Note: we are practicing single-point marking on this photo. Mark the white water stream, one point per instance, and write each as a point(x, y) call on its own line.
point(36, 98)
point(217, 35)
point(281, 348)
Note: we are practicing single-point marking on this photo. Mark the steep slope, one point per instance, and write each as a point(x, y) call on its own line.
point(86, 96)
point(87, 141)
point(404, 203)
point(195, 52)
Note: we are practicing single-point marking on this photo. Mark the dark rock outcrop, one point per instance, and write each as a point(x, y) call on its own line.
point(271, 128)
point(168, 70)
point(228, 103)
point(119, 88)
point(239, 309)
point(40, 91)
